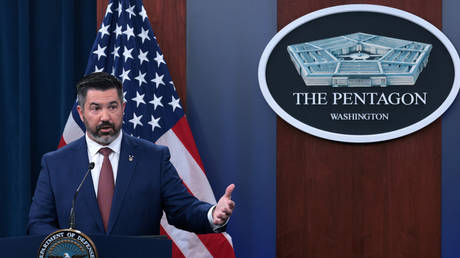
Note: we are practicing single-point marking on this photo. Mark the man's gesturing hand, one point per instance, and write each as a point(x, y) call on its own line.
point(224, 207)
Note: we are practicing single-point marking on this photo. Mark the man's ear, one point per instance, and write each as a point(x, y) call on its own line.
point(80, 112)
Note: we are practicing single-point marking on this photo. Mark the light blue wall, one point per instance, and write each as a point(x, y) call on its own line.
point(450, 149)
point(236, 131)
point(233, 126)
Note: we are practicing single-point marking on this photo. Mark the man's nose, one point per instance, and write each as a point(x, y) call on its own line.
point(105, 116)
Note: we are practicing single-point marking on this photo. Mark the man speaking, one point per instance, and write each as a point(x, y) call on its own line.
point(132, 181)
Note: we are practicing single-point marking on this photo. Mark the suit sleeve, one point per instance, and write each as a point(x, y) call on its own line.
point(182, 209)
point(42, 214)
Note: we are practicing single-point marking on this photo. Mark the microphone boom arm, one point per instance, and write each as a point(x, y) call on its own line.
point(72, 210)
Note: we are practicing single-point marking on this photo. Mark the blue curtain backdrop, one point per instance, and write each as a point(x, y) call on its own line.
point(44, 47)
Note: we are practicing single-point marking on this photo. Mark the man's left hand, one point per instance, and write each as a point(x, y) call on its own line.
point(224, 207)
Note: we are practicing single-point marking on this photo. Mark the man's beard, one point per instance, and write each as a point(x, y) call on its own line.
point(103, 138)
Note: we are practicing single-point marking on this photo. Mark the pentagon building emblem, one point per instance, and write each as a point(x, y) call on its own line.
point(359, 60)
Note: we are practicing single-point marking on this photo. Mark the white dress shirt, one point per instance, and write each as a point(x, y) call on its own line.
point(95, 156)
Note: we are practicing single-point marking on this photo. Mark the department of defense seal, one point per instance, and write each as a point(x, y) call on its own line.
point(67, 243)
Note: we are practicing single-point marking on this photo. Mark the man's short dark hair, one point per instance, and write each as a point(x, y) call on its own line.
point(98, 81)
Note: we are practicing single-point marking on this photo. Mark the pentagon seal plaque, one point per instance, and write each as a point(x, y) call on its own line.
point(359, 73)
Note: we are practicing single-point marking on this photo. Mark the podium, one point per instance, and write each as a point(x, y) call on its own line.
point(107, 246)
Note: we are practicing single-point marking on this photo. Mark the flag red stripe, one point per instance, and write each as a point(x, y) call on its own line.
point(62, 143)
point(183, 132)
point(176, 253)
point(217, 245)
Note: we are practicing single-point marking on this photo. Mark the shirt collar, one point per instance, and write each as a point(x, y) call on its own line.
point(94, 147)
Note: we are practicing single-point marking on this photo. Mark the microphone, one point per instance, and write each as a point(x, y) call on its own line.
point(72, 210)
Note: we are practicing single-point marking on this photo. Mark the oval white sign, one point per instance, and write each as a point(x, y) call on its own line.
point(359, 73)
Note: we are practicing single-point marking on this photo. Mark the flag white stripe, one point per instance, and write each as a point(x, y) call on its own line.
point(188, 243)
point(187, 168)
point(71, 130)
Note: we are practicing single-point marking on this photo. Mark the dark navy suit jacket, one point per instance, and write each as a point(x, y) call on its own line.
point(146, 185)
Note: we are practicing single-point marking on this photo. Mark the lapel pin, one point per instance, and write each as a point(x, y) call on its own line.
point(130, 157)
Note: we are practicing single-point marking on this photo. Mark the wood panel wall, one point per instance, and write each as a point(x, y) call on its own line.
point(358, 200)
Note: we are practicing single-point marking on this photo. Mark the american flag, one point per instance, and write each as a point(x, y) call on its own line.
point(126, 47)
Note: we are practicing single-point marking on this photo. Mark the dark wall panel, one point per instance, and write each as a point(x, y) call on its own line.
point(450, 142)
point(358, 200)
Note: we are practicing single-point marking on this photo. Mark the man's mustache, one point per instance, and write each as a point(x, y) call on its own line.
point(104, 125)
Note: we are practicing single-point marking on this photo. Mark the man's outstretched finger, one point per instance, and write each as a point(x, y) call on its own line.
point(229, 190)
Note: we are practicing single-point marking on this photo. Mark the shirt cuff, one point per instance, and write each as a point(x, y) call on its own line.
point(215, 227)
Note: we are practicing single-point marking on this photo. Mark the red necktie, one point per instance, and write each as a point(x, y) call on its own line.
point(105, 187)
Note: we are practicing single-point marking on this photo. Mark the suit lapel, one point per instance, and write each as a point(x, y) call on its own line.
point(87, 189)
point(126, 167)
